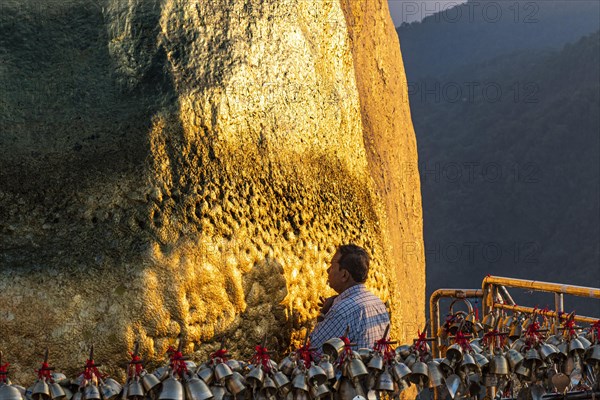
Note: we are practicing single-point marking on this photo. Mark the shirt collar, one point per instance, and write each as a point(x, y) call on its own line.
point(351, 291)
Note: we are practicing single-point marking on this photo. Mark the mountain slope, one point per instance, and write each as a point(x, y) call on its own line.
point(510, 169)
point(479, 30)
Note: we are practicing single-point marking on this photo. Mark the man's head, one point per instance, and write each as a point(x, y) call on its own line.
point(349, 266)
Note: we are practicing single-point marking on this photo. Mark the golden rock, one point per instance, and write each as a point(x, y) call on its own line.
point(188, 167)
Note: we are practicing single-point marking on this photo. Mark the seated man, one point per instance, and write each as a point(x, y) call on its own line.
point(354, 306)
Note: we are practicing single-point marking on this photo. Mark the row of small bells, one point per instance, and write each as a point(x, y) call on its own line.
point(556, 363)
point(222, 378)
point(341, 372)
point(513, 356)
point(55, 386)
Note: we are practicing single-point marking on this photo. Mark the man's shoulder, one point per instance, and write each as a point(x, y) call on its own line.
point(361, 296)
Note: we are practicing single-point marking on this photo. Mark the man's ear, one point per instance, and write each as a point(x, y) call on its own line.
point(345, 275)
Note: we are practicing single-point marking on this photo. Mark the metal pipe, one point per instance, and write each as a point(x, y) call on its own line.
point(434, 310)
point(587, 395)
point(551, 313)
point(505, 295)
point(491, 283)
point(540, 286)
point(572, 395)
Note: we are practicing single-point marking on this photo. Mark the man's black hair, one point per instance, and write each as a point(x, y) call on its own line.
point(355, 260)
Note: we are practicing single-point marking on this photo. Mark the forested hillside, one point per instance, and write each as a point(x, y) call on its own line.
point(483, 29)
point(508, 130)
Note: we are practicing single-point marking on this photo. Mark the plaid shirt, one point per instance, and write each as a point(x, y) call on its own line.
point(358, 308)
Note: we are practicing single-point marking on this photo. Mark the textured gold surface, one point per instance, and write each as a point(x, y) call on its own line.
point(190, 167)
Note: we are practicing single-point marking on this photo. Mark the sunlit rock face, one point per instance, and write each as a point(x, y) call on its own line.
point(188, 167)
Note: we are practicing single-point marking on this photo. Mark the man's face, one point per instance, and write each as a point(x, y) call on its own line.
point(337, 278)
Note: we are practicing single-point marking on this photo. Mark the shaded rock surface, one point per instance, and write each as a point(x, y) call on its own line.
point(179, 167)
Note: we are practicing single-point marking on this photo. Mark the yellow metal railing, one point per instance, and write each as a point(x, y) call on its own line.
point(434, 310)
point(496, 296)
point(494, 287)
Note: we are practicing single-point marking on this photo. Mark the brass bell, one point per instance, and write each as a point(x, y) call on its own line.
point(400, 371)
point(410, 360)
point(436, 378)
point(524, 371)
point(301, 395)
point(470, 318)
point(235, 385)
point(365, 354)
point(91, 392)
point(171, 390)
point(593, 355)
point(190, 365)
point(207, 375)
point(77, 395)
point(357, 369)
point(532, 354)
point(318, 391)
point(40, 390)
point(468, 364)
point(489, 321)
point(299, 383)
point(481, 360)
point(268, 387)
point(234, 365)
point(161, 373)
point(576, 345)
point(256, 376)
point(238, 376)
point(333, 347)
point(116, 386)
point(518, 345)
point(346, 391)
point(316, 375)
point(196, 389)
point(57, 392)
point(218, 392)
point(584, 342)
point(222, 371)
point(554, 340)
point(509, 321)
point(281, 380)
point(327, 367)
point(516, 331)
point(478, 327)
point(499, 365)
point(385, 382)
point(68, 393)
point(60, 378)
point(419, 374)
point(9, 392)
point(548, 351)
point(563, 347)
point(108, 392)
point(403, 351)
point(514, 358)
point(454, 353)
point(475, 346)
point(376, 362)
point(135, 389)
point(20, 388)
point(149, 382)
point(287, 366)
point(447, 366)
